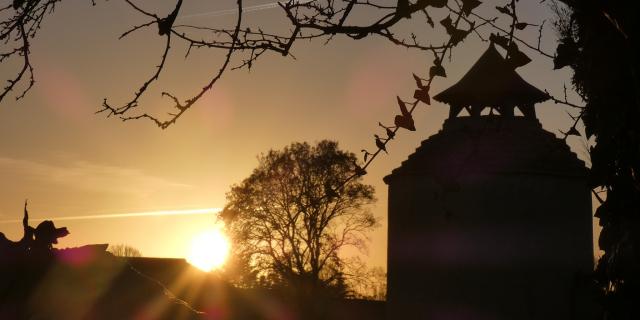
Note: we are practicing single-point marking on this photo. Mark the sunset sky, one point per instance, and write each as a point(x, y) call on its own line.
point(69, 162)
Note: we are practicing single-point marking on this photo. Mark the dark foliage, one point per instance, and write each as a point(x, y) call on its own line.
point(600, 43)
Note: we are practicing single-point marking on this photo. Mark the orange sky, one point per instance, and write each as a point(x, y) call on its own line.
point(69, 162)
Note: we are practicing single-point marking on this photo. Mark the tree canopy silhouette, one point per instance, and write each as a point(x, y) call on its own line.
point(123, 250)
point(599, 41)
point(291, 217)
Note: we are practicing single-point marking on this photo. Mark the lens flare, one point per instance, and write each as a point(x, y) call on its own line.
point(209, 250)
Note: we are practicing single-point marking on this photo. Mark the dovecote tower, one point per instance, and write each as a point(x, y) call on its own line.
point(490, 218)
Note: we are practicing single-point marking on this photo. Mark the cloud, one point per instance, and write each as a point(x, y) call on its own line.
point(90, 176)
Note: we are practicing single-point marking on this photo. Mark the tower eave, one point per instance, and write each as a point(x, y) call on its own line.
point(490, 146)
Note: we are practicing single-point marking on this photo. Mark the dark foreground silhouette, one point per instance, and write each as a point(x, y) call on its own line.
point(38, 281)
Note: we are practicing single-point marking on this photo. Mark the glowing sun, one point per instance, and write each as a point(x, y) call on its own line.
point(209, 250)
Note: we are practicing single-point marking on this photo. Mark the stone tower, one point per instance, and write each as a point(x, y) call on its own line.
point(490, 218)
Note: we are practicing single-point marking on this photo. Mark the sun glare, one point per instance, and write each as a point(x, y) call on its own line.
point(209, 250)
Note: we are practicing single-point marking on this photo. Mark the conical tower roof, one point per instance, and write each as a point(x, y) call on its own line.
point(491, 82)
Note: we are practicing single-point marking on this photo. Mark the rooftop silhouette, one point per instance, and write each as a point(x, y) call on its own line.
point(492, 82)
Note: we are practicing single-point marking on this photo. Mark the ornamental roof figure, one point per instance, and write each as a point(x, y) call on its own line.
point(492, 82)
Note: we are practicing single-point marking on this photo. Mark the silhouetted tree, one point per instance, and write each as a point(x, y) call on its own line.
point(371, 284)
point(123, 250)
point(291, 217)
point(599, 41)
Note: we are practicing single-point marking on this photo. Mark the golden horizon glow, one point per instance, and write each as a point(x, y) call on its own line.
point(209, 250)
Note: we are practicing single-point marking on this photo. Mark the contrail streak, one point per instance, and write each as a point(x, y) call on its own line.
point(258, 7)
point(126, 215)
point(225, 12)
